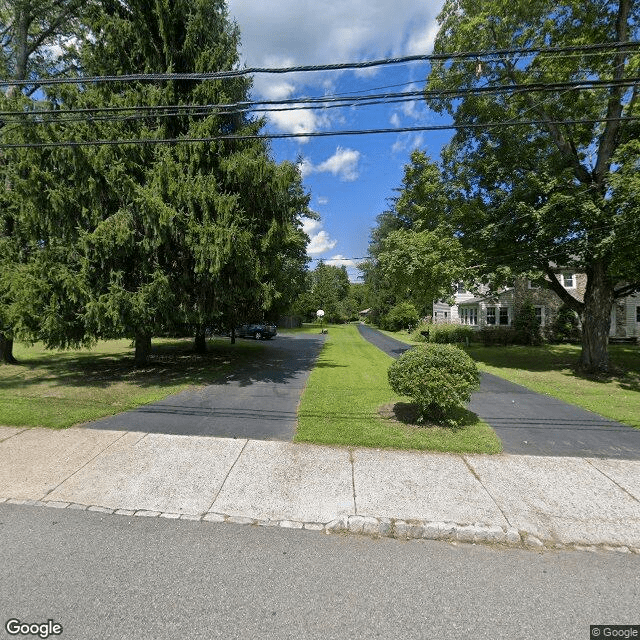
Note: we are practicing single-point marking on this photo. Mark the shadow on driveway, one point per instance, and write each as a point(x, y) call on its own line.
point(257, 400)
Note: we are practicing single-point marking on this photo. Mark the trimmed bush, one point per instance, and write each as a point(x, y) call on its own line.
point(444, 333)
point(502, 336)
point(439, 378)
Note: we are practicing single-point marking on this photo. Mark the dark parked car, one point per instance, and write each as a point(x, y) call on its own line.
point(259, 331)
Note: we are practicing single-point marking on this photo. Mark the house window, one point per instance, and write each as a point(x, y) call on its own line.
point(460, 288)
point(568, 280)
point(540, 315)
point(637, 314)
point(473, 316)
point(491, 315)
point(504, 315)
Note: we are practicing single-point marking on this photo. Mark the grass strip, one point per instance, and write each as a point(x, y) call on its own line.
point(347, 388)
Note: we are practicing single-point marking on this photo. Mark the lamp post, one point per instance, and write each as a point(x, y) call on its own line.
point(320, 316)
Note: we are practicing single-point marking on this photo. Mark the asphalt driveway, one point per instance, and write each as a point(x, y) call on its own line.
point(258, 401)
point(532, 423)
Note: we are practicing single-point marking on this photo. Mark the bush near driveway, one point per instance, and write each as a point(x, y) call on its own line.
point(444, 333)
point(438, 377)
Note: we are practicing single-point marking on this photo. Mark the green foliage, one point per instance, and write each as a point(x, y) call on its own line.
point(138, 240)
point(447, 333)
point(402, 316)
point(415, 254)
point(438, 377)
point(563, 190)
point(565, 326)
point(493, 336)
point(527, 326)
point(327, 288)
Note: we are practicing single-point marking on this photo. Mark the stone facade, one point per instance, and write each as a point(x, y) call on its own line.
point(502, 308)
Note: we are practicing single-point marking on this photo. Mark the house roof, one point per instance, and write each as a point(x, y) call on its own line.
point(490, 298)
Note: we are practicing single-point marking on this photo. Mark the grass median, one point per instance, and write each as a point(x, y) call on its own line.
point(345, 392)
point(59, 389)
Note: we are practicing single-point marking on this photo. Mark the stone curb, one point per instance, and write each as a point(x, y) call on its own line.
point(363, 525)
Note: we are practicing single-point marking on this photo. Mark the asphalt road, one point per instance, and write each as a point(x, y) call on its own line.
point(531, 423)
point(258, 401)
point(108, 576)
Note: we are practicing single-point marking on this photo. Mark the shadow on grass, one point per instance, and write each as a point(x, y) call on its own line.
point(408, 414)
point(624, 359)
point(171, 363)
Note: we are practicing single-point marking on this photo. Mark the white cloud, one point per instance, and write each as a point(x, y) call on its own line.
point(408, 142)
point(395, 120)
point(323, 200)
point(309, 226)
point(343, 163)
point(282, 33)
point(298, 121)
point(320, 243)
point(328, 31)
point(339, 260)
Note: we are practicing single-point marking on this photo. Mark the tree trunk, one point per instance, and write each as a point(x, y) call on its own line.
point(6, 350)
point(200, 342)
point(233, 336)
point(596, 321)
point(143, 349)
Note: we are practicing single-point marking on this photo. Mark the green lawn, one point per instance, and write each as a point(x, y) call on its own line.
point(550, 369)
point(62, 388)
point(348, 386)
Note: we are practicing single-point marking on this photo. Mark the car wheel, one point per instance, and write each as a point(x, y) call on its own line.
point(258, 335)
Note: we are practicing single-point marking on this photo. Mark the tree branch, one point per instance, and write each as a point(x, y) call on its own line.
point(626, 290)
point(561, 292)
point(567, 149)
point(614, 108)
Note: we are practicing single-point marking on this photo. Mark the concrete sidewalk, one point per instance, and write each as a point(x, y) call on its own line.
point(513, 499)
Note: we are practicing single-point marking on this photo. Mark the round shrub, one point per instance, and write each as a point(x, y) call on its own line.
point(439, 378)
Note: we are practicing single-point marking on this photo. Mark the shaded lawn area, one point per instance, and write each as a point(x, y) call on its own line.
point(550, 369)
point(62, 388)
point(348, 387)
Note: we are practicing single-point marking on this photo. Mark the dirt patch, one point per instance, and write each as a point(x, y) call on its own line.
point(405, 413)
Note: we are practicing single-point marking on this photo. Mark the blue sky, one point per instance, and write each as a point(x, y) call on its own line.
point(350, 178)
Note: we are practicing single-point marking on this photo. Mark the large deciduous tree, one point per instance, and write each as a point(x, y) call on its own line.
point(562, 191)
point(415, 255)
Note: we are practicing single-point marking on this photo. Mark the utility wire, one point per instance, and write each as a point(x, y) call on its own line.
point(309, 134)
point(235, 73)
point(262, 106)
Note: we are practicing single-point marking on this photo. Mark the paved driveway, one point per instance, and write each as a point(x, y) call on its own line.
point(533, 423)
point(258, 401)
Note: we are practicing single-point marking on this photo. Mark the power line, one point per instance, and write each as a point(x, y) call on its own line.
point(235, 73)
point(261, 106)
point(309, 134)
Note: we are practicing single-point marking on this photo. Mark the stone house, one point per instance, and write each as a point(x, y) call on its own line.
point(500, 309)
